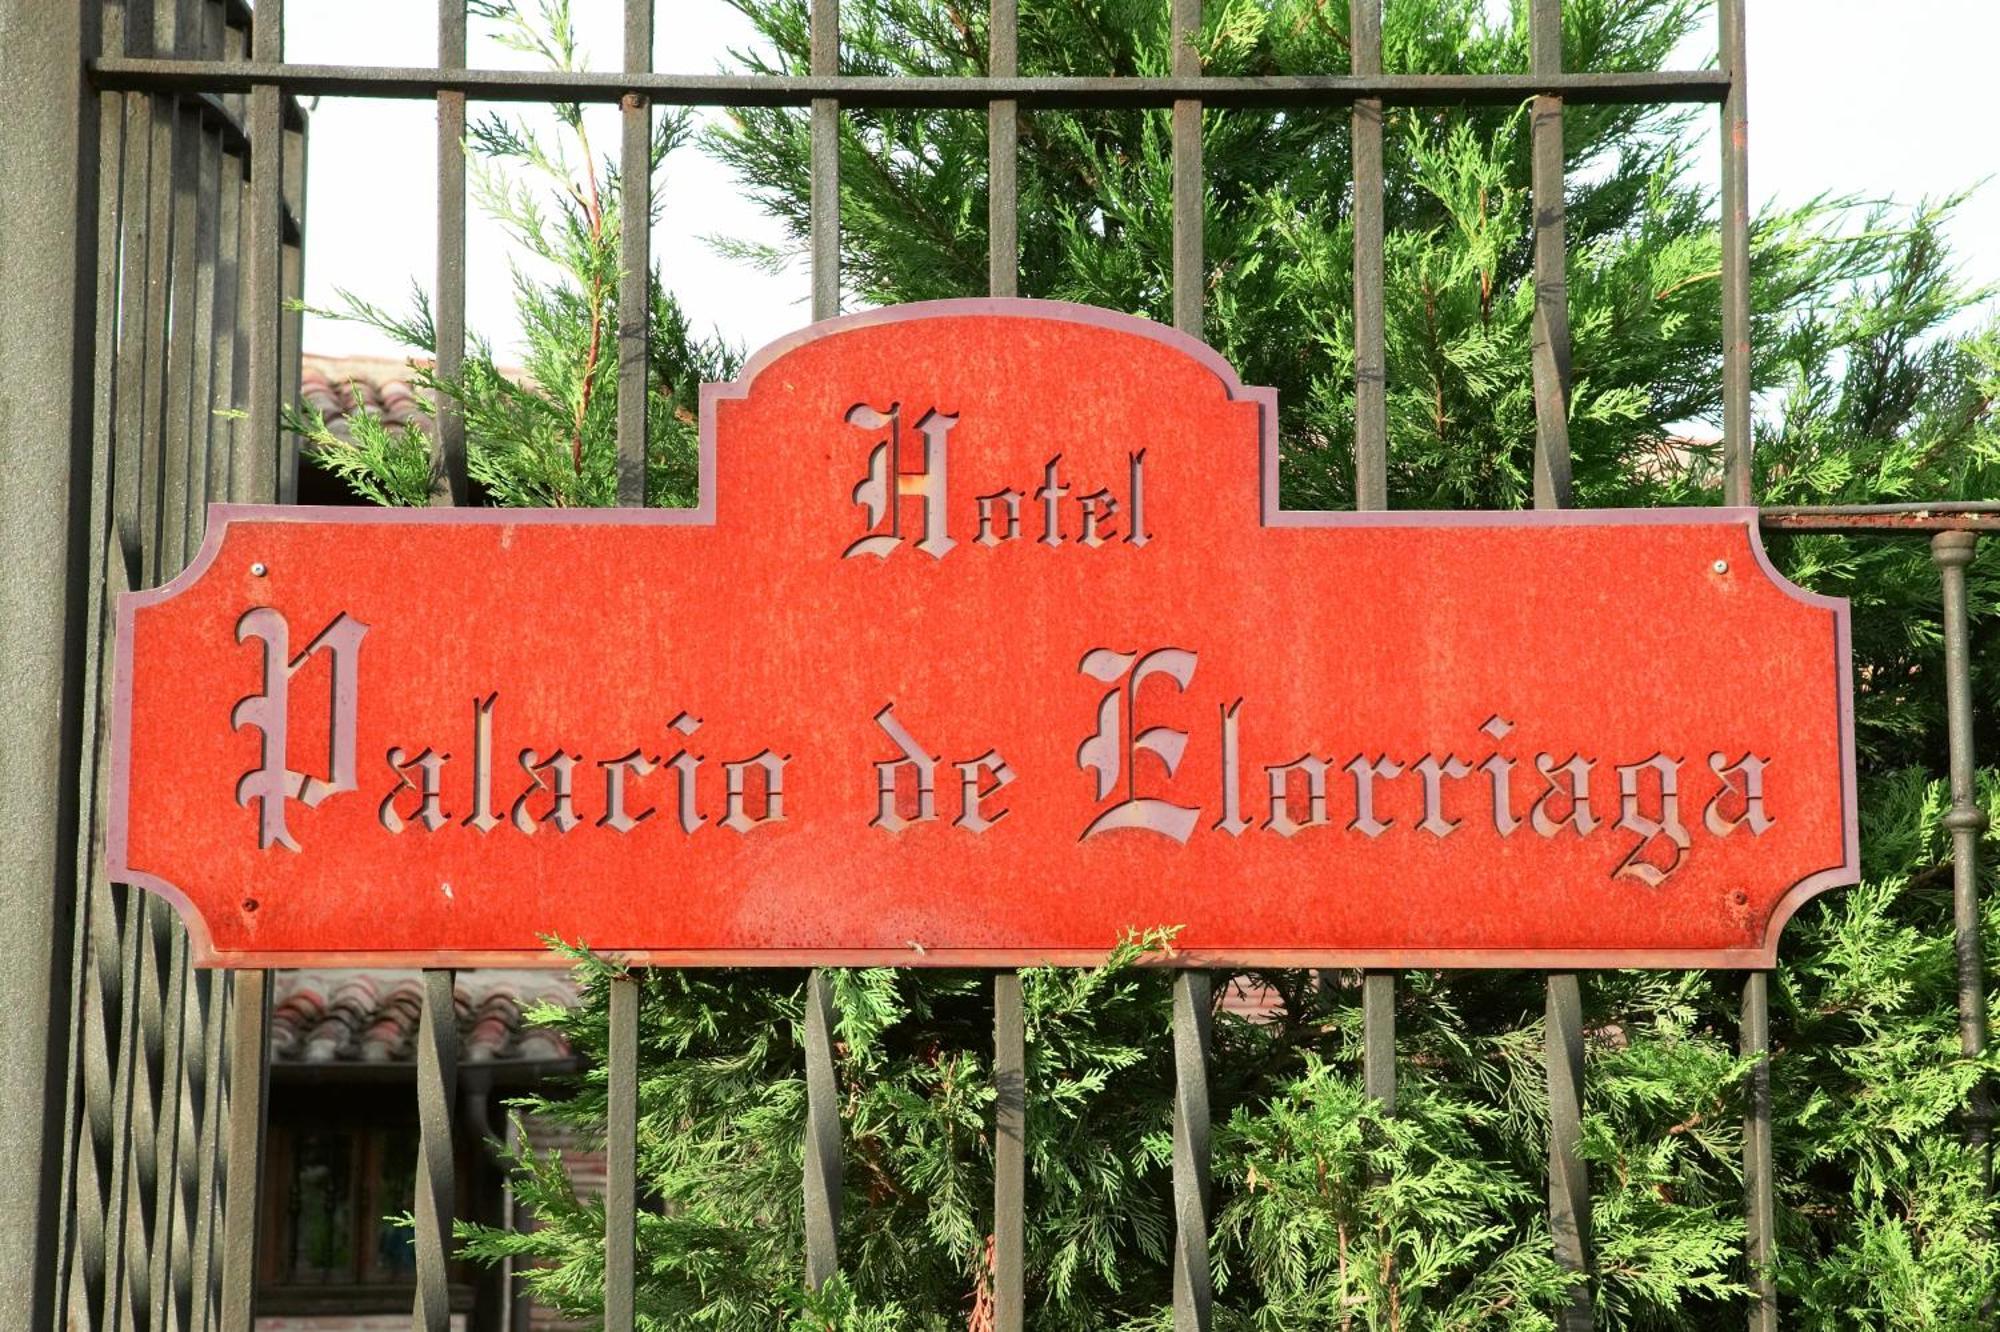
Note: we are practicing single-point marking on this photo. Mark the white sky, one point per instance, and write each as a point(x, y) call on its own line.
point(1924, 127)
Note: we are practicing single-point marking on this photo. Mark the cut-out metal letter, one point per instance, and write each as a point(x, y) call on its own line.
point(1110, 750)
point(272, 782)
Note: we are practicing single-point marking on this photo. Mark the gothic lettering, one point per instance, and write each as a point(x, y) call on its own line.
point(1110, 751)
point(272, 782)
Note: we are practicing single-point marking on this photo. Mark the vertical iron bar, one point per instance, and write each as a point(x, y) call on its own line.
point(1192, 989)
point(1759, 1202)
point(264, 277)
point(825, 202)
point(1371, 424)
point(823, 1164)
point(152, 301)
point(1010, 1073)
point(621, 1156)
point(218, 1198)
point(1569, 1182)
point(143, 1156)
point(249, 1090)
point(222, 422)
point(449, 484)
point(437, 1089)
point(1003, 131)
point(243, 473)
point(1551, 335)
point(1738, 487)
point(1371, 444)
point(177, 465)
point(201, 386)
point(79, 1281)
point(1189, 182)
point(1192, 1296)
point(1738, 442)
point(1966, 822)
point(95, 1154)
point(134, 249)
point(1010, 1174)
point(291, 278)
point(635, 227)
point(635, 200)
point(1378, 1037)
point(213, 996)
point(120, 1210)
point(822, 1135)
point(167, 1216)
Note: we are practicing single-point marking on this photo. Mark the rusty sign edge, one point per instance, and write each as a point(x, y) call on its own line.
point(221, 515)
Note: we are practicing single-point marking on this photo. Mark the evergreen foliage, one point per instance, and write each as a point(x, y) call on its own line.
point(1877, 372)
point(546, 433)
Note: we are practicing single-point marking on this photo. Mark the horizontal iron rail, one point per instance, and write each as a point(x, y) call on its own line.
point(1944, 516)
point(152, 74)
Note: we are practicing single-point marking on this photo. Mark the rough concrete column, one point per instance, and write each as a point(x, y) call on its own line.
point(48, 181)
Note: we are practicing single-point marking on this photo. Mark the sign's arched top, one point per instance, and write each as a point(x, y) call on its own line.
point(987, 643)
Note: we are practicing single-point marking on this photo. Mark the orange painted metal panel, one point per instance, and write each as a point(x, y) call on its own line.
point(987, 643)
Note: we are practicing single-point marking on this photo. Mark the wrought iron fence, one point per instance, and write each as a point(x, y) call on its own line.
point(158, 146)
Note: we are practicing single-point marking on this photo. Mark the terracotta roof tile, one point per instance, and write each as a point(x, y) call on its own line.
point(372, 1017)
point(340, 386)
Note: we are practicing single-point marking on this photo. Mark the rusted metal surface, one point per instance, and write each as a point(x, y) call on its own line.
point(846, 640)
point(1886, 519)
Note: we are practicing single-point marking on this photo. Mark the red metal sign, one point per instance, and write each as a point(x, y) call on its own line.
point(987, 643)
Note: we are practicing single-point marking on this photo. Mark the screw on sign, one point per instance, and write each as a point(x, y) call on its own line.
point(988, 641)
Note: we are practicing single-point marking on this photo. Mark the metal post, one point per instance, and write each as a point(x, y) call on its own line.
point(825, 202)
point(1738, 487)
point(1010, 1126)
point(1569, 1183)
point(1551, 333)
point(1966, 822)
point(1759, 1233)
point(1737, 439)
point(249, 1090)
point(1371, 443)
point(1010, 1074)
point(437, 1090)
point(822, 1135)
point(1189, 182)
point(823, 1165)
point(48, 192)
point(1371, 424)
point(621, 1156)
point(449, 485)
point(1003, 131)
point(1193, 1299)
point(263, 287)
point(1378, 1038)
point(292, 287)
point(1192, 989)
point(635, 223)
